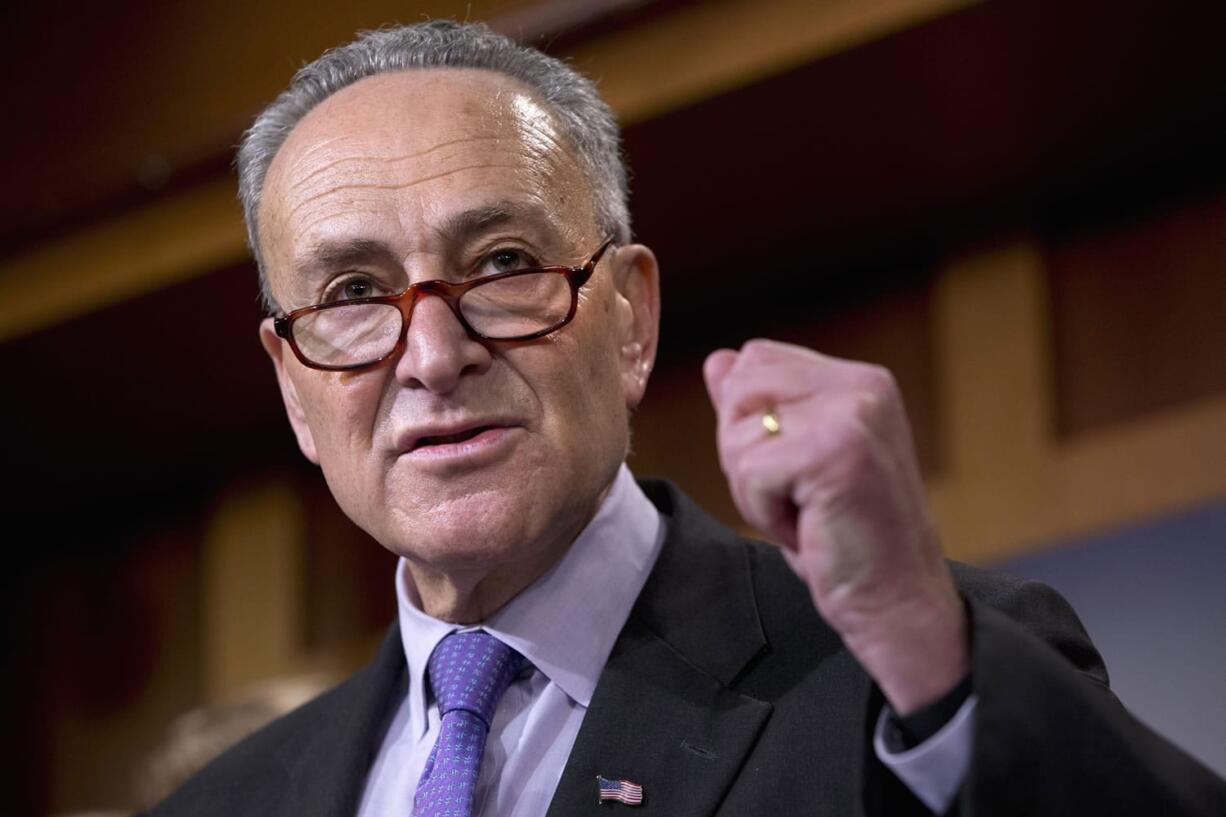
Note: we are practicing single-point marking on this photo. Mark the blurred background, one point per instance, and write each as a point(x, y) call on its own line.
point(1019, 207)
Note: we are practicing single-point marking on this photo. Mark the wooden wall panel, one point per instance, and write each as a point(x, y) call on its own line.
point(348, 575)
point(1139, 315)
point(674, 429)
point(116, 626)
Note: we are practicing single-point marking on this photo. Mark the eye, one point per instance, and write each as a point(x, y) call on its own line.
point(356, 288)
point(508, 259)
point(351, 288)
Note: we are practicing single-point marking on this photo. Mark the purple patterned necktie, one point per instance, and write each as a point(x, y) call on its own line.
point(468, 672)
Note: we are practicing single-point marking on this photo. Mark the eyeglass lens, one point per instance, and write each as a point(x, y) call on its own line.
point(499, 309)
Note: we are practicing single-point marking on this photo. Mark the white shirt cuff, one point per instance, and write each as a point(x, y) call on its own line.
point(933, 770)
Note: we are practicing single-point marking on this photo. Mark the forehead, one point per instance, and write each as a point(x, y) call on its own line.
point(412, 108)
point(402, 153)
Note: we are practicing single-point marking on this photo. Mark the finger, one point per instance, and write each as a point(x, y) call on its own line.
point(772, 514)
point(764, 478)
point(738, 433)
point(753, 387)
point(822, 443)
point(715, 369)
point(735, 436)
point(725, 366)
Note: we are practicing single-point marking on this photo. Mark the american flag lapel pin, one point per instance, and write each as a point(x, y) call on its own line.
point(619, 791)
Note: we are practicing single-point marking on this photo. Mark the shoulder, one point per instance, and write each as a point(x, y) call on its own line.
point(249, 777)
point(254, 776)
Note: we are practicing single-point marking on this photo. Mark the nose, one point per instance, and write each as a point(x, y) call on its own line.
point(438, 352)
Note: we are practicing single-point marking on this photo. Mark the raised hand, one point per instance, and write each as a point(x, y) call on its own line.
point(818, 456)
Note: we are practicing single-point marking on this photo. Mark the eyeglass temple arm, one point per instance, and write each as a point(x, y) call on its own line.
point(582, 274)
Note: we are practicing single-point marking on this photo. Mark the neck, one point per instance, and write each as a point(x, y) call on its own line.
point(470, 597)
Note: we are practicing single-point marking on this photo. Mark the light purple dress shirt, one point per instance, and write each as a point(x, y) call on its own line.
point(565, 624)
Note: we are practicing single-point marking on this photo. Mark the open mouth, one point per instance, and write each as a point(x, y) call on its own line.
point(449, 439)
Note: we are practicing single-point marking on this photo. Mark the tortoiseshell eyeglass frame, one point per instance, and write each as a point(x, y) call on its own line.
point(451, 293)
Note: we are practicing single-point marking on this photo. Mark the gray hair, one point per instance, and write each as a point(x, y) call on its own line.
point(584, 118)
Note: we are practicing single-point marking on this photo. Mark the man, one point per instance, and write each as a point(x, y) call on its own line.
point(463, 328)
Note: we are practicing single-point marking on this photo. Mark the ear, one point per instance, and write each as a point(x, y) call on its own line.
point(636, 276)
point(276, 350)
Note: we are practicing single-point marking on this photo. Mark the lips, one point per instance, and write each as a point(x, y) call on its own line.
point(437, 435)
point(444, 439)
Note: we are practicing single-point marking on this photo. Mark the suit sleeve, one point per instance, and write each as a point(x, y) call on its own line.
point(1049, 735)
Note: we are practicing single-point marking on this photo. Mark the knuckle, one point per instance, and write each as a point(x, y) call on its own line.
point(865, 409)
point(876, 379)
point(874, 394)
point(754, 350)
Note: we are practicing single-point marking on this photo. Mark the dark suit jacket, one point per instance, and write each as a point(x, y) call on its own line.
point(727, 694)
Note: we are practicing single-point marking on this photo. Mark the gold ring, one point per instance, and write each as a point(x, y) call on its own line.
point(770, 421)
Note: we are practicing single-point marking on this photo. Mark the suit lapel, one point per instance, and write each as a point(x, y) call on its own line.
point(663, 714)
point(328, 765)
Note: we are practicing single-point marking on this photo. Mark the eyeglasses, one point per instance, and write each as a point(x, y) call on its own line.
point(518, 305)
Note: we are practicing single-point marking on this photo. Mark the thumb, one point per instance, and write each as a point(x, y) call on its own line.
point(716, 367)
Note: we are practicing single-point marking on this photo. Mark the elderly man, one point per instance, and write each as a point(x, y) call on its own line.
point(463, 328)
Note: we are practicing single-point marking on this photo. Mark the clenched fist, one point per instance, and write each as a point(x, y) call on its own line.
point(831, 474)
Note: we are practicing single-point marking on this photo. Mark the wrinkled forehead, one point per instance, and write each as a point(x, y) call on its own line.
point(414, 139)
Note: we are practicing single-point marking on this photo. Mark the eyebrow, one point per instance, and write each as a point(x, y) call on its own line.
point(329, 253)
point(479, 219)
point(332, 254)
point(468, 223)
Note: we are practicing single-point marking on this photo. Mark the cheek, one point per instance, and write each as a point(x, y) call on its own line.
point(598, 363)
point(576, 388)
point(341, 412)
point(600, 405)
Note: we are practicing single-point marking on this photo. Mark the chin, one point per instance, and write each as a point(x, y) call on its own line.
point(525, 510)
point(478, 531)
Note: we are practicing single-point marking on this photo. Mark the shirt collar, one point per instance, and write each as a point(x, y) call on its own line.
point(566, 622)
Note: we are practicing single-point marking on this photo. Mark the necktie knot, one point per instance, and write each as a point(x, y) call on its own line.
point(470, 671)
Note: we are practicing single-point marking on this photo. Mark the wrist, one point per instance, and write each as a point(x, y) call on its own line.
point(915, 653)
point(911, 730)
